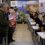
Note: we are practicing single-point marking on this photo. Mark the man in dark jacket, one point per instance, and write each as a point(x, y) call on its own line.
point(3, 22)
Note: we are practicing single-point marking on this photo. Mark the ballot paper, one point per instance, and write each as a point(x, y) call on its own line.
point(11, 17)
point(32, 23)
point(35, 27)
point(12, 20)
point(31, 19)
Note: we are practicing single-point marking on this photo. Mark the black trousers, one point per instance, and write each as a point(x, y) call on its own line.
point(10, 34)
point(3, 33)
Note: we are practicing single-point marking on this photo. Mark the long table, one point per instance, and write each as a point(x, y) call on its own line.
point(33, 27)
point(36, 33)
point(41, 35)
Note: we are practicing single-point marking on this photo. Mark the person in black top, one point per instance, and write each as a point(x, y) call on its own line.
point(3, 22)
point(34, 16)
point(31, 15)
point(37, 20)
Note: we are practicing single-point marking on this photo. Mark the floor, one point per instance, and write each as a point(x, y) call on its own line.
point(22, 35)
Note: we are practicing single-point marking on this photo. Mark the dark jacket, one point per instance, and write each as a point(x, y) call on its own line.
point(3, 22)
point(38, 21)
point(31, 16)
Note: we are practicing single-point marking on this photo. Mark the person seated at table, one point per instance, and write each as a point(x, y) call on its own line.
point(37, 20)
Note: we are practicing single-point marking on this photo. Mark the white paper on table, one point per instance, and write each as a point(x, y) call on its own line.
point(35, 27)
point(31, 19)
point(41, 34)
point(32, 23)
point(10, 17)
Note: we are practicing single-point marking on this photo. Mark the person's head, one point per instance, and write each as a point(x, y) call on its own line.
point(5, 7)
point(1, 7)
point(12, 11)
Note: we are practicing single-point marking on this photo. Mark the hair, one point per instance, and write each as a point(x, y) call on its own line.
point(5, 6)
point(1, 7)
point(11, 7)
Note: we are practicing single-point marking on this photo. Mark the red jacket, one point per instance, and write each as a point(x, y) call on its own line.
point(12, 21)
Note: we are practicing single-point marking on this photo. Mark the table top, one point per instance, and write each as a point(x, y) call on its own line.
point(35, 27)
point(32, 23)
point(41, 34)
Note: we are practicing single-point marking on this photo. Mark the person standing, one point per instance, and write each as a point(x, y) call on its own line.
point(12, 24)
point(4, 26)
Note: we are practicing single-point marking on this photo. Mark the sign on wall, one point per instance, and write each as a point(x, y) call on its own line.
point(13, 3)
